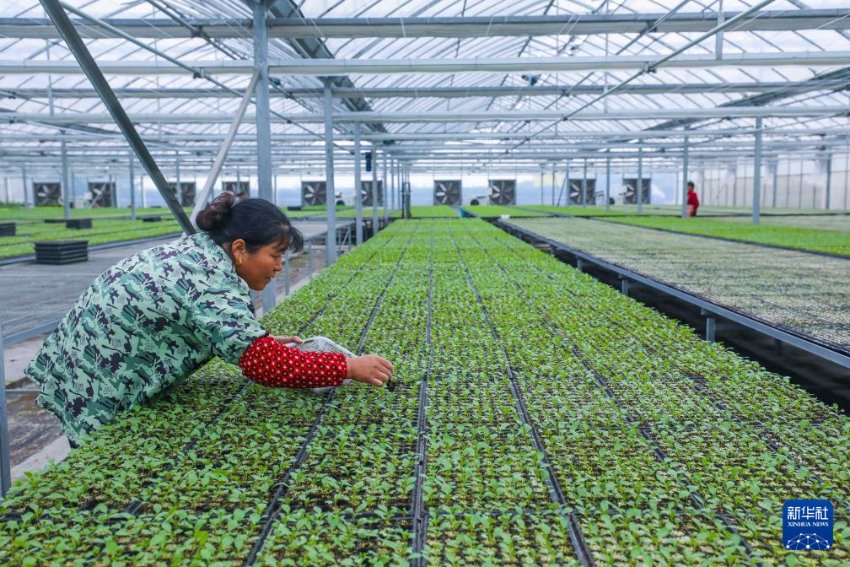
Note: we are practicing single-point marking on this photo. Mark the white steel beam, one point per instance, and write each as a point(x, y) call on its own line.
point(451, 117)
point(455, 27)
point(333, 67)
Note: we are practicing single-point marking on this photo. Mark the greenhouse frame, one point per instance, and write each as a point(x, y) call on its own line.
point(605, 246)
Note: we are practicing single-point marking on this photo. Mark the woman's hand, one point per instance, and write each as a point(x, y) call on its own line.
point(289, 340)
point(370, 369)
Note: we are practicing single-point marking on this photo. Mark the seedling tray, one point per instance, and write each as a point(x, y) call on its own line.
point(59, 252)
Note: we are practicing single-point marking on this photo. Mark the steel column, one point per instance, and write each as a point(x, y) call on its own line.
point(358, 184)
point(66, 183)
point(608, 184)
point(330, 240)
point(640, 182)
point(374, 188)
point(685, 177)
point(26, 190)
point(386, 185)
point(263, 125)
point(828, 165)
point(757, 173)
point(132, 187)
point(584, 186)
point(5, 459)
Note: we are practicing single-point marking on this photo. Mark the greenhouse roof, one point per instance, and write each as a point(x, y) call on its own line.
point(438, 84)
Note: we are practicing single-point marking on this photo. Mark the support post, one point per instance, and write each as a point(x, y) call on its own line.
point(310, 259)
point(5, 458)
point(608, 183)
point(329, 177)
point(358, 186)
point(584, 185)
point(263, 125)
point(640, 182)
point(773, 168)
point(386, 186)
point(684, 188)
point(66, 181)
point(566, 182)
point(132, 187)
point(27, 204)
point(828, 166)
point(624, 286)
point(710, 328)
point(374, 188)
point(81, 53)
point(757, 173)
point(142, 190)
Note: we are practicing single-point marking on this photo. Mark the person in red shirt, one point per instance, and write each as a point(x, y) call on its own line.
point(693, 200)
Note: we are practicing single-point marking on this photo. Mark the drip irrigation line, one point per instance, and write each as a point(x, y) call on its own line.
point(420, 521)
point(135, 507)
point(695, 386)
point(603, 384)
point(273, 509)
point(556, 493)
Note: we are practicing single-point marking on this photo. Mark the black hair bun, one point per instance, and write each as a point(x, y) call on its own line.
point(214, 215)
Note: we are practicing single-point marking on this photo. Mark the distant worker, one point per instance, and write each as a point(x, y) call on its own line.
point(693, 200)
point(156, 317)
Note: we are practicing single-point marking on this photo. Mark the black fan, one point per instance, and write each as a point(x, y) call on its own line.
point(503, 191)
point(630, 190)
point(575, 191)
point(101, 193)
point(314, 192)
point(47, 194)
point(366, 193)
point(447, 192)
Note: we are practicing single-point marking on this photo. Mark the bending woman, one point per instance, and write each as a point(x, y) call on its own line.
point(156, 317)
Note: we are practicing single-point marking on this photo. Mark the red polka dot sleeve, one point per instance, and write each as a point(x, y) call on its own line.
point(272, 364)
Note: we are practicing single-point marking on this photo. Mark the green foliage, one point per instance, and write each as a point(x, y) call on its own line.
point(668, 450)
point(813, 239)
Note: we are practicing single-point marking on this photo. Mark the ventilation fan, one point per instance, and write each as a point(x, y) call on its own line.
point(447, 192)
point(575, 191)
point(630, 190)
point(47, 194)
point(503, 191)
point(366, 193)
point(100, 193)
point(314, 193)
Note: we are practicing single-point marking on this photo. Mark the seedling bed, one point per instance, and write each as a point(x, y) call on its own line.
point(500, 352)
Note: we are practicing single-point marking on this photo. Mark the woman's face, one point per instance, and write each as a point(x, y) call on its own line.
point(260, 267)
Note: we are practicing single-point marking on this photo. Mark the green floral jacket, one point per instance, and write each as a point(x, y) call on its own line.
point(141, 326)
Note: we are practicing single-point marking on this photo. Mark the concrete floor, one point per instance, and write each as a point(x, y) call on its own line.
point(36, 437)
